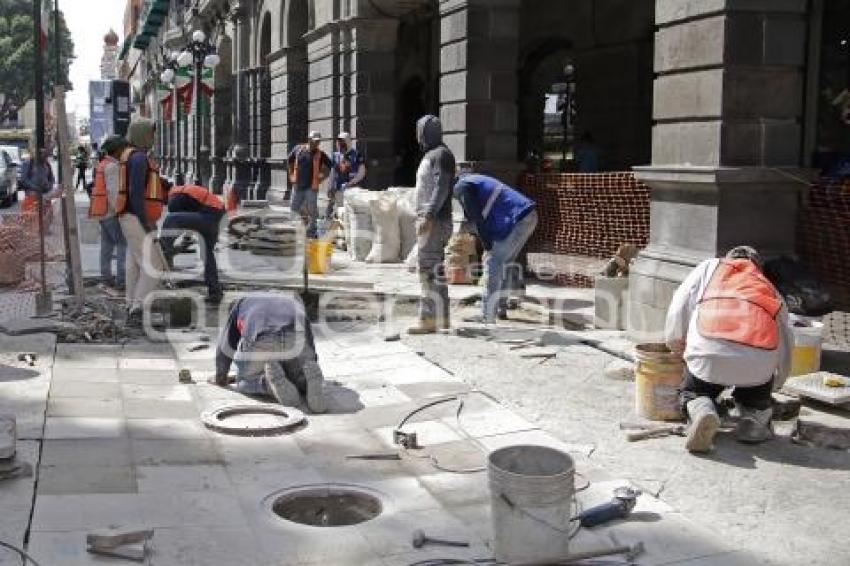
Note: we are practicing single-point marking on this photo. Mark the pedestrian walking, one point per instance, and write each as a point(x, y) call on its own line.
point(504, 220)
point(270, 340)
point(141, 199)
point(732, 327)
point(104, 197)
point(434, 182)
point(195, 208)
point(308, 167)
point(348, 170)
point(81, 164)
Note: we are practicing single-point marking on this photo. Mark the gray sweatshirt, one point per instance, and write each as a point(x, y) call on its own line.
point(435, 177)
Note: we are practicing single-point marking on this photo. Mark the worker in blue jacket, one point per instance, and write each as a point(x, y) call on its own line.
point(504, 220)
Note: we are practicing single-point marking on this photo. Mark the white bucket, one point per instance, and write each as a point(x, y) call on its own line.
point(531, 488)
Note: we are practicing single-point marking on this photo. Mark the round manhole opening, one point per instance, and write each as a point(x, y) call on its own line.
point(332, 506)
point(253, 420)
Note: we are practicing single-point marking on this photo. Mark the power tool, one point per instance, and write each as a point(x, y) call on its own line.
point(625, 499)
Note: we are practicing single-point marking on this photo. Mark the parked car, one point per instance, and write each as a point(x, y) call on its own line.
point(8, 179)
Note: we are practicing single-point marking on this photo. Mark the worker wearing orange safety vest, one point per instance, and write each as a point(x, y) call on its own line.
point(102, 203)
point(139, 204)
point(308, 167)
point(195, 208)
point(732, 326)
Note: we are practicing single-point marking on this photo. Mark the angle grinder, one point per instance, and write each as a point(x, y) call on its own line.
point(623, 502)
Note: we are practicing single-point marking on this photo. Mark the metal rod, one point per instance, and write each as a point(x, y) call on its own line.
point(199, 62)
point(178, 172)
point(39, 136)
point(57, 66)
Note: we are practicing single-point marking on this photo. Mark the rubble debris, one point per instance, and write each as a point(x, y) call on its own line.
point(185, 376)
point(133, 545)
point(644, 431)
point(264, 232)
point(392, 337)
point(785, 407)
point(13, 469)
point(199, 347)
point(28, 358)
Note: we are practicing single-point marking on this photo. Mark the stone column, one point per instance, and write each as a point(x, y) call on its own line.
point(371, 103)
point(726, 142)
point(479, 42)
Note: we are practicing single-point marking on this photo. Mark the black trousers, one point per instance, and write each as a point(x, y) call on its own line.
point(756, 397)
point(81, 177)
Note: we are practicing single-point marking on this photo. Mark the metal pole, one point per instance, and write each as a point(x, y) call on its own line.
point(178, 173)
point(197, 80)
point(43, 301)
point(57, 67)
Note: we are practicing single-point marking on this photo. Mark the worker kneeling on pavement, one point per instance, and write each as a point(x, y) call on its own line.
point(505, 220)
point(732, 326)
point(195, 208)
point(270, 340)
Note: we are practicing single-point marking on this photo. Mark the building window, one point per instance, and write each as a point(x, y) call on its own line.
point(311, 14)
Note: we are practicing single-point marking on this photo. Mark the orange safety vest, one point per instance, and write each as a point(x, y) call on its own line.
point(200, 194)
point(155, 194)
point(740, 305)
point(317, 167)
point(99, 201)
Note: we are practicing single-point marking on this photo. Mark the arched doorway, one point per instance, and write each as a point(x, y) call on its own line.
point(221, 133)
point(296, 66)
point(548, 113)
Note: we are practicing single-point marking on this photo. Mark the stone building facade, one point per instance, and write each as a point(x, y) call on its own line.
point(714, 103)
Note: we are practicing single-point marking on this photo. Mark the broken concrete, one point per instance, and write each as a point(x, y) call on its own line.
point(822, 429)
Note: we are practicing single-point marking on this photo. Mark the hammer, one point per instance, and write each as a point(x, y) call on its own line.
point(420, 540)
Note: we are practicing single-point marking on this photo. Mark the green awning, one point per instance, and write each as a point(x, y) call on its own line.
point(125, 47)
point(153, 15)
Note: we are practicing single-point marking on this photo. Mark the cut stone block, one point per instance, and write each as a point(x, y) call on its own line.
point(610, 303)
point(822, 429)
point(8, 437)
point(62, 480)
point(84, 427)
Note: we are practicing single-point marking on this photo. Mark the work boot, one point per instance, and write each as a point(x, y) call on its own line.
point(279, 386)
point(754, 426)
point(315, 386)
point(424, 326)
point(704, 423)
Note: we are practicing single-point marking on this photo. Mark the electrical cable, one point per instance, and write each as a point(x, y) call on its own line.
point(20, 552)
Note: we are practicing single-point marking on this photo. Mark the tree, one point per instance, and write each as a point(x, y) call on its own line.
point(17, 56)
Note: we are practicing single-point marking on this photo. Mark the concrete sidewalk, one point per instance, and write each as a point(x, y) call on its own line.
point(122, 447)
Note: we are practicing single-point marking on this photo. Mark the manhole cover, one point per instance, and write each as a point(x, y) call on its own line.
point(327, 506)
point(253, 420)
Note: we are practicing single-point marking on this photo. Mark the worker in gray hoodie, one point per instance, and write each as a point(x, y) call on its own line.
point(434, 182)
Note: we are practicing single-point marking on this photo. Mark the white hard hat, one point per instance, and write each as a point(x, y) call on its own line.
point(315, 136)
point(344, 136)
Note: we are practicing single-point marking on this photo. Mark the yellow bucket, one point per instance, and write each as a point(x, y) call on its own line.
point(658, 376)
point(319, 254)
point(808, 345)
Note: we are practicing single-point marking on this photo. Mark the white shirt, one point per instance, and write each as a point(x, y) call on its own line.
point(719, 361)
point(111, 172)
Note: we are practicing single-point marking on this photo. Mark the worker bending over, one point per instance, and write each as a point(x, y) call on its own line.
point(270, 340)
point(504, 220)
point(732, 326)
point(195, 208)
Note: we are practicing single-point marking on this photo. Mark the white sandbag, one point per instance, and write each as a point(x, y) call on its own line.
point(412, 259)
point(358, 226)
point(406, 217)
point(387, 243)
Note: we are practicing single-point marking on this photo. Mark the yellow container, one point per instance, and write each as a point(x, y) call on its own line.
point(319, 254)
point(808, 344)
point(658, 376)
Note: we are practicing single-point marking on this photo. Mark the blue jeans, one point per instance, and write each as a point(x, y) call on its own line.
point(204, 224)
point(500, 266)
point(309, 199)
point(289, 349)
point(112, 242)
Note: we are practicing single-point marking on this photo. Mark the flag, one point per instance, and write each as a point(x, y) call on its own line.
point(44, 33)
point(167, 104)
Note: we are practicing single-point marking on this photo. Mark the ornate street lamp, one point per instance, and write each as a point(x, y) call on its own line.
point(201, 54)
point(168, 77)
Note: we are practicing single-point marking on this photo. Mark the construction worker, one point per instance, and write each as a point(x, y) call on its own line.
point(348, 171)
point(308, 167)
point(195, 208)
point(504, 220)
point(38, 182)
point(270, 340)
point(102, 207)
point(141, 200)
point(732, 327)
point(434, 181)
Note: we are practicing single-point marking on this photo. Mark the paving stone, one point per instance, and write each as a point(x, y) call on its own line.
point(182, 478)
point(153, 409)
point(189, 452)
point(428, 433)
point(84, 427)
point(204, 547)
point(66, 548)
point(84, 407)
point(65, 480)
point(490, 423)
point(432, 389)
point(85, 389)
point(87, 355)
point(147, 377)
point(156, 392)
point(536, 438)
point(167, 429)
point(16, 497)
point(85, 375)
point(391, 534)
point(283, 450)
point(305, 546)
point(826, 430)
point(86, 452)
point(148, 364)
point(378, 396)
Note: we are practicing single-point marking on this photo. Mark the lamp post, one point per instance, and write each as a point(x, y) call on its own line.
point(169, 77)
point(200, 54)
